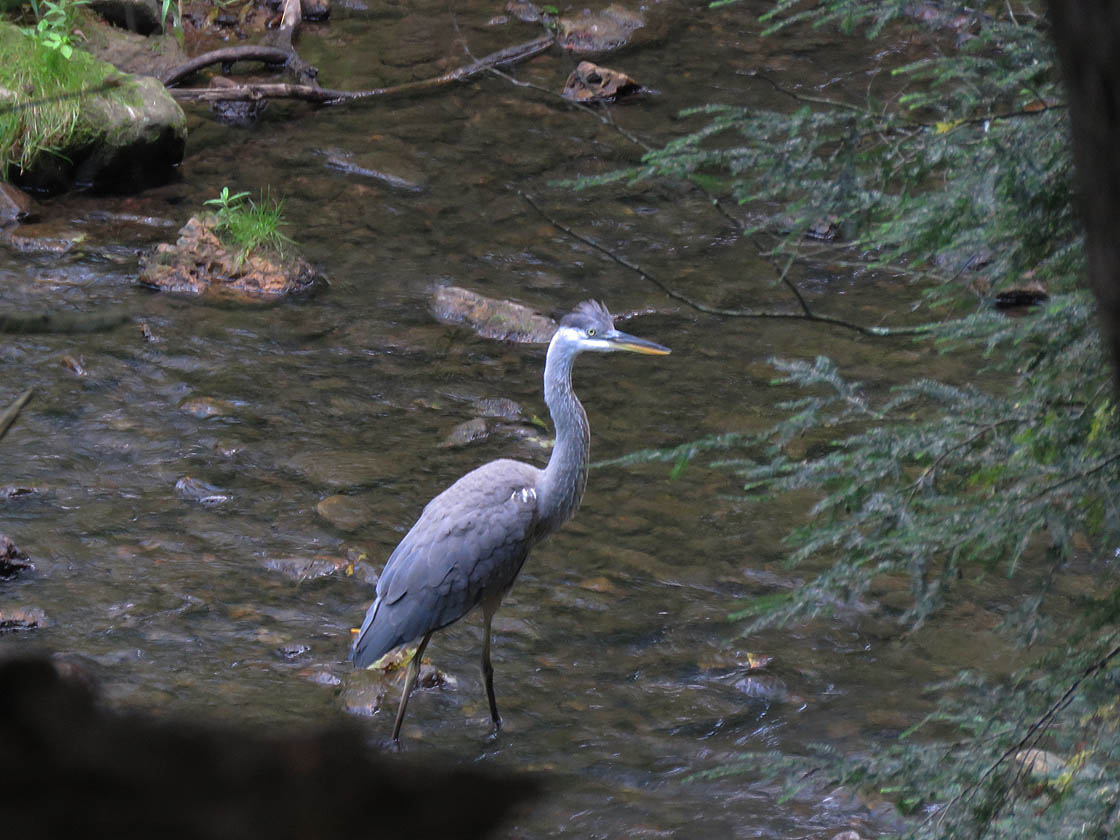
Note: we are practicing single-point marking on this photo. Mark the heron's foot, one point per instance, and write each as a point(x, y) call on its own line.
point(495, 728)
point(393, 745)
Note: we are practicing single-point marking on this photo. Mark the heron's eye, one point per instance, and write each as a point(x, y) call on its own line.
point(591, 332)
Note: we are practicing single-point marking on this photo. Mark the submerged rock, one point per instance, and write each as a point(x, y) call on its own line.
point(204, 407)
point(347, 513)
point(598, 32)
point(306, 568)
point(467, 433)
point(199, 263)
point(199, 491)
point(12, 560)
point(501, 408)
point(499, 319)
point(22, 618)
point(50, 238)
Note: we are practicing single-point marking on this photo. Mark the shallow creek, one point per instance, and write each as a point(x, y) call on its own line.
point(617, 671)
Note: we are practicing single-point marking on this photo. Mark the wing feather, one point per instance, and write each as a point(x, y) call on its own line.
point(469, 543)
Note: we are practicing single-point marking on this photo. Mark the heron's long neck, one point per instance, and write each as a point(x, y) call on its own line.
point(566, 473)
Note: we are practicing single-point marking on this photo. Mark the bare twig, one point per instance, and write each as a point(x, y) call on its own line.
point(110, 83)
point(1035, 730)
point(804, 315)
point(12, 412)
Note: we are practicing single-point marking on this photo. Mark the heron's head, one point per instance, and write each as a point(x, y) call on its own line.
point(590, 327)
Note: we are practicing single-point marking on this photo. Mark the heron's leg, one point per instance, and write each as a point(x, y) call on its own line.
point(409, 681)
point(488, 669)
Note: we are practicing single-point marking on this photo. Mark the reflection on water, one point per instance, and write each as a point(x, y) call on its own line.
point(617, 670)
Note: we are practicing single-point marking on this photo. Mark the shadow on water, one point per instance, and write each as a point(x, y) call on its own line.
point(617, 670)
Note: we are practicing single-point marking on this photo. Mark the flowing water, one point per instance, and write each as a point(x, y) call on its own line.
point(618, 674)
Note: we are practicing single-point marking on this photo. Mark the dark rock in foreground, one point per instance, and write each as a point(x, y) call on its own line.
point(73, 770)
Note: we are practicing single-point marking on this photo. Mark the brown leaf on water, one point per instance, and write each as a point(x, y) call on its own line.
point(590, 83)
point(75, 364)
point(758, 661)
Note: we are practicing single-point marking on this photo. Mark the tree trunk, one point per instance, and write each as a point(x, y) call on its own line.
point(1087, 36)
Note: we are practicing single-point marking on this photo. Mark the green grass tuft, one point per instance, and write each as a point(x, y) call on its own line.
point(249, 224)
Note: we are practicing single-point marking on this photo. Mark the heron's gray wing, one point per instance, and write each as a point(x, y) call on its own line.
point(469, 543)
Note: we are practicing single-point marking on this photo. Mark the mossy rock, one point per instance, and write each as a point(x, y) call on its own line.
point(199, 263)
point(124, 133)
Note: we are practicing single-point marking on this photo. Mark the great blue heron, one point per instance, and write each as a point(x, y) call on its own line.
point(471, 539)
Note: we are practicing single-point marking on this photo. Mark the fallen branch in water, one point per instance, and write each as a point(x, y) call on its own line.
point(314, 93)
point(12, 412)
point(227, 55)
point(61, 322)
point(281, 50)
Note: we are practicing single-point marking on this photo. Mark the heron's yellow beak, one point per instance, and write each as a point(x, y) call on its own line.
point(624, 341)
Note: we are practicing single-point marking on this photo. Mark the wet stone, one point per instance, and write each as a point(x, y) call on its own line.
point(340, 469)
point(589, 83)
point(365, 699)
point(1040, 763)
point(141, 16)
point(315, 10)
point(201, 492)
point(499, 408)
point(17, 492)
point(292, 650)
point(320, 677)
point(306, 568)
point(203, 407)
point(498, 319)
point(17, 619)
point(15, 204)
point(12, 560)
point(42, 239)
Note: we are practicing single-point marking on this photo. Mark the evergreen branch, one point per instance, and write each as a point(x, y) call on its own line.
point(1075, 477)
point(800, 97)
point(991, 427)
point(1037, 727)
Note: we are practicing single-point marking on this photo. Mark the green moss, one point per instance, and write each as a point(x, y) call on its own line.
point(31, 72)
